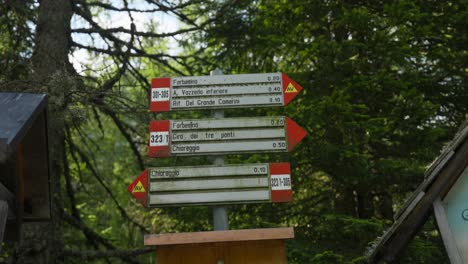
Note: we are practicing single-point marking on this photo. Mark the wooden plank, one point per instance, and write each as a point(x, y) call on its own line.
point(3, 219)
point(440, 176)
point(219, 236)
point(19, 194)
point(449, 186)
point(4, 150)
point(244, 252)
point(436, 166)
point(429, 178)
point(6, 194)
point(461, 136)
point(389, 233)
point(447, 236)
point(9, 198)
point(258, 252)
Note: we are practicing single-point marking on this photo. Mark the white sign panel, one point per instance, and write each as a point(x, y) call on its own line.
point(247, 183)
point(223, 136)
point(222, 91)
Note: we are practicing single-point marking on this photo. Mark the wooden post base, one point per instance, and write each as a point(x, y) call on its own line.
point(259, 252)
point(222, 247)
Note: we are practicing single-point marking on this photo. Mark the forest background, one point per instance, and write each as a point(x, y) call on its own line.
point(385, 86)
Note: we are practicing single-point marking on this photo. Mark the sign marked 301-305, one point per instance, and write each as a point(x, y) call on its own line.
point(223, 136)
point(204, 185)
point(222, 91)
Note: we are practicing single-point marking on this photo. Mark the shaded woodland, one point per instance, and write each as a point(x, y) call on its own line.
point(385, 87)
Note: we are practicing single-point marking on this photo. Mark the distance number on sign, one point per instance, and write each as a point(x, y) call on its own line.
point(277, 122)
point(274, 89)
point(259, 169)
point(279, 145)
point(275, 100)
point(273, 78)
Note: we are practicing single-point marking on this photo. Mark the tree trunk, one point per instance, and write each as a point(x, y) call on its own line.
point(53, 36)
point(42, 242)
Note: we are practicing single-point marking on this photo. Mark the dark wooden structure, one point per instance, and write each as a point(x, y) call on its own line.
point(261, 246)
point(24, 161)
point(439, 179)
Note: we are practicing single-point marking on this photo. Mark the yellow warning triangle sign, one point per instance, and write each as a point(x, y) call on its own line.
point(291, 89)
point(138, 188)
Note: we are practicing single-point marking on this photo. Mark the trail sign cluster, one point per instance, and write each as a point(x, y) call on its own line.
point(229, 184)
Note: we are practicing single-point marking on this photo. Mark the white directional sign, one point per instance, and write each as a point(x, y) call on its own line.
point(223, 136)
point(230, 184)
point(222, 91)
point(248, 183)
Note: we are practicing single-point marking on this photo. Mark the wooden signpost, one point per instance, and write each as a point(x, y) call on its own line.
point(220, 184)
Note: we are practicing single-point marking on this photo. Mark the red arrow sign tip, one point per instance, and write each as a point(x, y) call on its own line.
point(139, 188)
point(295, 133)
point(290, 89)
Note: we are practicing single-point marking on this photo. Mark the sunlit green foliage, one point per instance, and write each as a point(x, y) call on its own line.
point(16, 38)
point(385, 85)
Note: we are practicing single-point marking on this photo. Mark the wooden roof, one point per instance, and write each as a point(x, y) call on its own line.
point(438, 180)
point(18, 111)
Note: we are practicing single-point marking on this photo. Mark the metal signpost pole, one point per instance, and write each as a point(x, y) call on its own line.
point(220, 217)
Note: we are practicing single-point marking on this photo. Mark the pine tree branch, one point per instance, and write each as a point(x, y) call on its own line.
point(121, 126)
point(113, 8)
point(108, 33)
point(78, 168)
point(68, 185)
point(71, 195)
point(137, 33)
point(86, 160)
point(112, 52)
point(93, 235)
